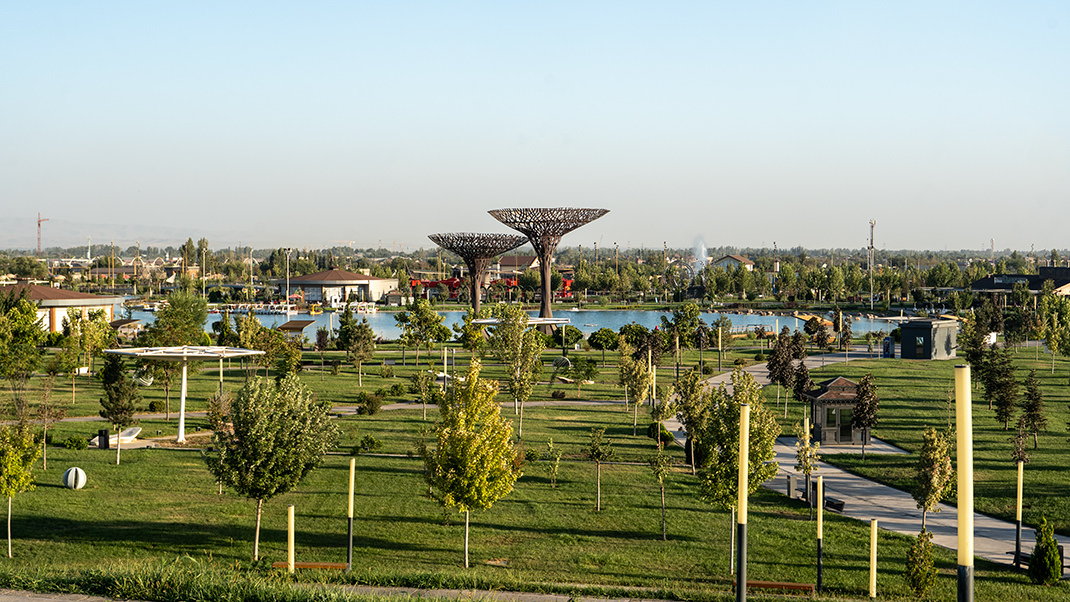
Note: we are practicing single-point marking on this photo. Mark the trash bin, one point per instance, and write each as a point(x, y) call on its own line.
point(104, 439)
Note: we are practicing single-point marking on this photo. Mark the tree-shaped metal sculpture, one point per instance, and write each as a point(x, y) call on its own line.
point(477, 250)
point(544, 227)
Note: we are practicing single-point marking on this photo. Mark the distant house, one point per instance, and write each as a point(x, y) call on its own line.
point(511, 266)
point(928, 339)
point(336, 287)
point(1001, 284)
point(831, 407)
point(53, 303)
point(730, 262)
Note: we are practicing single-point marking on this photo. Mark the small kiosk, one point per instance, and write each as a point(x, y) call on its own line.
point(928, 339)
point(831, 407)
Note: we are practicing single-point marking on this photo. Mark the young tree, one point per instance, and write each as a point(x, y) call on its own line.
point(801, 383)
point(121, 398)
point(20, 339)
point(581, 371)
point(693, 404)
point(921, 572)
point(268, 439)
point(660, 467)
point(361, 347)
point(807, 455)
point(1000, 385)
point(422, 325)
point(1045, 565)
point(323, 341)
point(864, 414)
point(600, 450)
point(719, 479)
point(18, 452)
point(933, 472)
point(1033, 418)
point(780, 364)
point(474, 463)
point(48, 412)
point(603, 340)
point(520, 349)
point(473, 336)
point(635, 377)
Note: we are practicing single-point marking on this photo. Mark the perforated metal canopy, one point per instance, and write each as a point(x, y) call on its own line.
point(185, 354)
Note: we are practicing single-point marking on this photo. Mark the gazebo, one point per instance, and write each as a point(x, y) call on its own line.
point(185, 354)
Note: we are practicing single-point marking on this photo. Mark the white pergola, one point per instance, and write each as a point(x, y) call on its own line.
point(185, 354)
point(531, 321)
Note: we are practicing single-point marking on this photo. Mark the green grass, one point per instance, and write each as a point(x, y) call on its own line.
point(913, 396)
point(161, 505)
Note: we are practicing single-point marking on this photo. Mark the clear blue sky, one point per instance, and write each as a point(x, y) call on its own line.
point(302, 124)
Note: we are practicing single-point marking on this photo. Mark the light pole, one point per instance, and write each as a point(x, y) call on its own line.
point(288, 251)
point(203, 275)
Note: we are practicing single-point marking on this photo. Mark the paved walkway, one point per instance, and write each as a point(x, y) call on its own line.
point(895, 510)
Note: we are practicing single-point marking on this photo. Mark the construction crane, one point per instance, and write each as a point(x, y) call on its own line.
point(39, 220)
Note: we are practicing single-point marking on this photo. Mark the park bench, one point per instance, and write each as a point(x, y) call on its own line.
point(834, 504)
point(802, 587)
point(310, 565)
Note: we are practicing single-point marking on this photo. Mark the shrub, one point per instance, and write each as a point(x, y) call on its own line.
point(531, 455)
point(920, 573)
point(156, 405)
point(336, 366)
point(740, 362)
point(759, 357)
point(367, 443)
point(75, 442)
point(666, 436)
point(707, 369)
point(369, 403)
point(1045, 565)
point(386, 371)
point(397, 389)
point(557, 394)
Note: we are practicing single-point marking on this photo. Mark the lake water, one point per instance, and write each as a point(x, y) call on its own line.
point(586, 320)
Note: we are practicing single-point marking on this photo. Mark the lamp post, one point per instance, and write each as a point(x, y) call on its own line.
point(741, 517)
point(288, 251)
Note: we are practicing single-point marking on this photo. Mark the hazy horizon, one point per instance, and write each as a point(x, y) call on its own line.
point(313, 125)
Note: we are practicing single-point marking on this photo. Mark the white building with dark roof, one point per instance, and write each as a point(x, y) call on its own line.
point(335, 287)
point(53, 303)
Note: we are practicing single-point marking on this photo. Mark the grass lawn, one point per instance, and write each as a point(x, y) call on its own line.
point(913, 396)
point(161, 504)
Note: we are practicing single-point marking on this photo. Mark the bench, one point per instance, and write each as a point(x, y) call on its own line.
point(834, 504)
point(802, 587)
point(310, 565)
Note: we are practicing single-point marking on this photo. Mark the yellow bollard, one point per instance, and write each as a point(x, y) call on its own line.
point(741, 518)
point(873, 558)
point(820, 499)
point(290, 538)
point(964, 455)
point(349, 548)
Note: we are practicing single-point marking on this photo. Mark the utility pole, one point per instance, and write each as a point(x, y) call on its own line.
point(872, 223)
point(39, 220)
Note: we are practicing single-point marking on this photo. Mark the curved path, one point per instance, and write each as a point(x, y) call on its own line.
point(894, 509)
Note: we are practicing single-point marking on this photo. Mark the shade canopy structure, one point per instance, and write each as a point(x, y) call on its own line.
point(544, 227)
point(477, 250)
point(185, 354)
point(531, 321)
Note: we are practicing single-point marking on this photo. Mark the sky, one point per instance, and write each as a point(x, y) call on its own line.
point(736, 124)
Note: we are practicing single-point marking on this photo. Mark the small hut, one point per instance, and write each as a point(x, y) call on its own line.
point(831, 406)
point(928, 339)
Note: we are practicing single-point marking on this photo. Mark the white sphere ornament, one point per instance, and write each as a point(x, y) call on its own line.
point(74, 478)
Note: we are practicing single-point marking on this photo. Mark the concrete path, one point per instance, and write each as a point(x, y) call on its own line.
point(895, 510)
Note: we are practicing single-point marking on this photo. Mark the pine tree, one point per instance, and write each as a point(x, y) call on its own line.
point(1001, 387)
point(1045, 566)
point(1033, 418)
point(779, 364)
point(121, 398)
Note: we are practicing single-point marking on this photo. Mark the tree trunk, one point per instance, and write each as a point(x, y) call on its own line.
point(118, 444)
point(520, 424)
point(360, 376)
point(9, 526)
point(635, 417)
point(664, 530)
point(598, 487)
point(44, 449)
point(691, 443)
point(167, 403)
point(256, 533)
point(466, 539)
point(923, 513)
